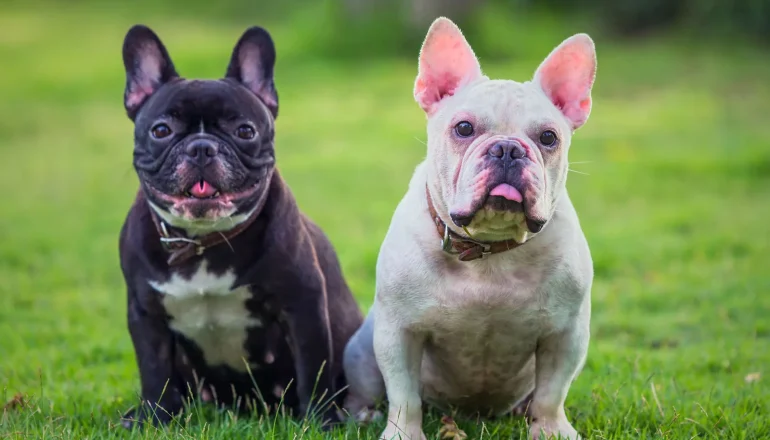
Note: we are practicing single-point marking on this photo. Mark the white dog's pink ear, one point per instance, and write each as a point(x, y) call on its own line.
point(567, 75)
point(447, 63)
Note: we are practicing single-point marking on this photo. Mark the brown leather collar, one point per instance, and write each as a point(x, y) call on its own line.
point(181, 247)
point(467, 248)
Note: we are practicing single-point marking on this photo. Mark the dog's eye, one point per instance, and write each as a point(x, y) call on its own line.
point(547, 138)
point(161, 131)
point(245, 132)
point(464, 128)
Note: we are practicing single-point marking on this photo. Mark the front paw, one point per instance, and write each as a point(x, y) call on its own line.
point(393, 432)
point(329, 419)
point(366, 416)
point(149, 413)
point(360, 411)
point(552, 429)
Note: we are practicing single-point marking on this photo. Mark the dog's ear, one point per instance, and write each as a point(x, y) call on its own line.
point(148, 67)
point(446, 64)
point(567, 76)
point(252, 65)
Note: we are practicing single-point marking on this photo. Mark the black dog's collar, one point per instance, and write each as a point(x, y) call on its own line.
point(181, 247)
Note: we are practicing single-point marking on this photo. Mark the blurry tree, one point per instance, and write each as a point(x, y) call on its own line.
point(357, 29)
point(633, 17)
point(407, 20)
point(423, 12)
point(414, 13)
point(383, 27)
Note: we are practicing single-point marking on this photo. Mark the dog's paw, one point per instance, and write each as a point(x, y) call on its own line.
point(329, 419)
point(147, 413)
point(367, 415)
point(392, 432)
point(552, 429)
point(360, 411)
point(362, 417)
point(522, 408)
point(130, 419)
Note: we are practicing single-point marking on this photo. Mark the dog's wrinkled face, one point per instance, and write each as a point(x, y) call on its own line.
point(203, 149)
point(497, 149)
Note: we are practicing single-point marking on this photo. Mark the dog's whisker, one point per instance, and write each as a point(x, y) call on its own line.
point(577, 172)
point(224, 237)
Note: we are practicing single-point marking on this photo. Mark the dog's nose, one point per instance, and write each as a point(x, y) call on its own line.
point(201, 150)
point(507, 149)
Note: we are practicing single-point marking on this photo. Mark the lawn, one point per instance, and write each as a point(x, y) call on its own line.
point(671, 181)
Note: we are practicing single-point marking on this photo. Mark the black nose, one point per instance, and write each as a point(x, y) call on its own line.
point(507, 150)
point(201, 150)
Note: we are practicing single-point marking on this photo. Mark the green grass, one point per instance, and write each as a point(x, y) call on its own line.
point(675, 204)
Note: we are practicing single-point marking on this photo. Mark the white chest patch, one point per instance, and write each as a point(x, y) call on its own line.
point(208, 311)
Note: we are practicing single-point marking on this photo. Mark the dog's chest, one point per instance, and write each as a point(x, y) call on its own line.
point(208, 310)
point(484, 325)
point(481, 337)
point(486, 318)
point(517, 300)
point(469, 299)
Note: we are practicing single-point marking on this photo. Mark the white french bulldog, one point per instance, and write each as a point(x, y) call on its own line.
point(484, 277)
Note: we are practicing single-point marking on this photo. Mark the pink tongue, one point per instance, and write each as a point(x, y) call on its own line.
point(202, 190)
point(507, 191)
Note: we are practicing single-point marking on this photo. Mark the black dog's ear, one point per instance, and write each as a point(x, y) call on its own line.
point(148, 67)
point(252, 65)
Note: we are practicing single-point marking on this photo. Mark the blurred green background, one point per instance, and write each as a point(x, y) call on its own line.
point(671, 181)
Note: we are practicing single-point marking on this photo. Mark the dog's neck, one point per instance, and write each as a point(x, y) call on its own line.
point(466, 248)
point(182, 247)
point(202, 228)
point(183, 243)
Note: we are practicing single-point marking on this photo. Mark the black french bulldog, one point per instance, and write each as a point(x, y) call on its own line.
point(234, 295)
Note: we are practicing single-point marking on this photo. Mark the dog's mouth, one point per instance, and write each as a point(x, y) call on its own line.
point(504, 198)
point(202, 190)
point(502, 205)
point(507, 192)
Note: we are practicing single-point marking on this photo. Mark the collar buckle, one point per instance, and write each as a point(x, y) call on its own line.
point(446, 242)
point(168, 241)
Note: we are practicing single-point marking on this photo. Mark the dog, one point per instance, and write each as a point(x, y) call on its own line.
point(482, 301)
point(234, 295)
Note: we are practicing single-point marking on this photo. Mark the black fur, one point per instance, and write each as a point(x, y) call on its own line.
point(297, 288)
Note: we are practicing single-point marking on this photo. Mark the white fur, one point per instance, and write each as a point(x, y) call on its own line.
point(207, 310)
point(479, 336)
point(486, 321)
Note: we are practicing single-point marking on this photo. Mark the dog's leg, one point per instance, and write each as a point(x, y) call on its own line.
point(307, 324)
point(154, 347)
point(559, 358)
point(522, 408)
point(399, 355)
point(366, 386)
